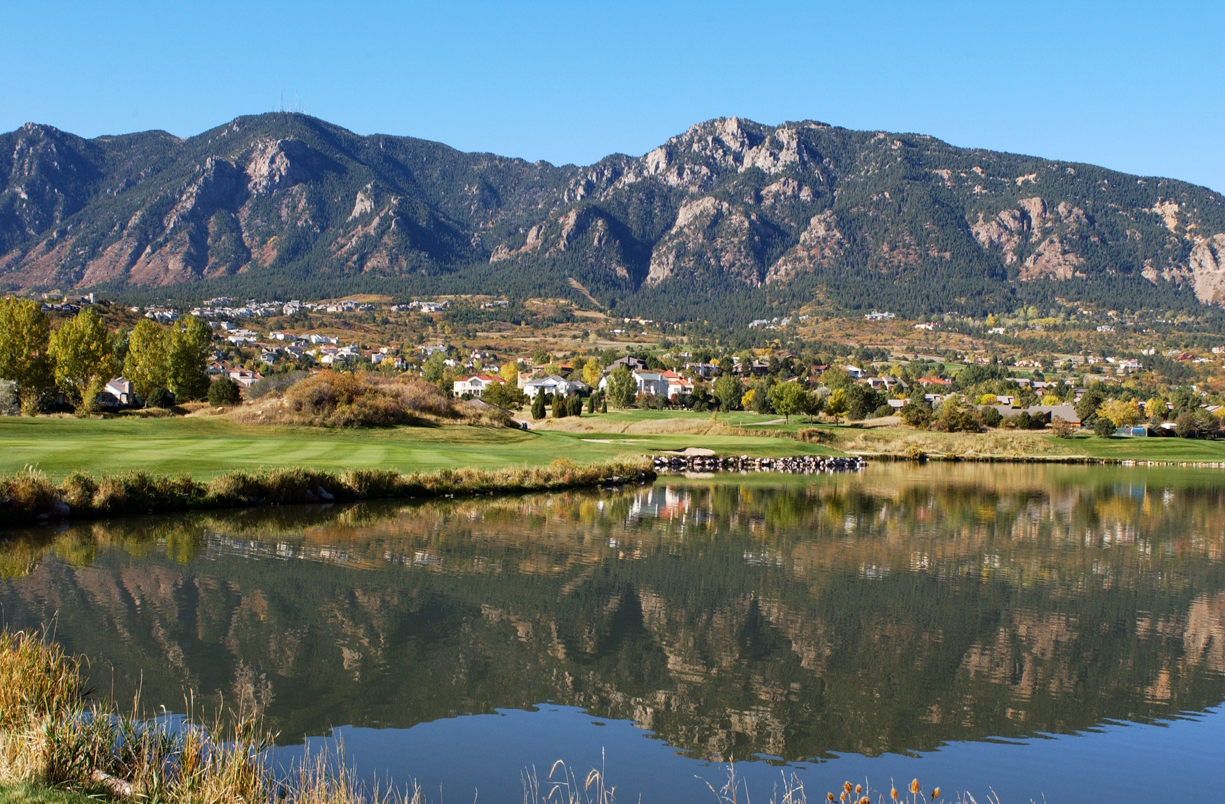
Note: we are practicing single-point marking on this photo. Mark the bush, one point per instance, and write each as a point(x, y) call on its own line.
point(336, 399)
point(917, 413)
point(224, 392)
point(883, 411)
point(273, 383)
point(1062, 429)
point(1103, 426)
point(160, 398)
point(992, 417)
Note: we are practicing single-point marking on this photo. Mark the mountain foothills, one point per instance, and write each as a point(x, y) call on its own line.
point(729, 220)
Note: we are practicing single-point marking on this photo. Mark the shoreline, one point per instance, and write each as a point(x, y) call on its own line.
point(30, 497)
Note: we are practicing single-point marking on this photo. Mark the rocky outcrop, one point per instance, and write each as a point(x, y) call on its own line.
point(711, 235)
point(1207, 267)
point(820, 246)
point(1051, 259)
point(277, 165)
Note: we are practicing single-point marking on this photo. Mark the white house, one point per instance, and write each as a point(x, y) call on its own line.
point(678, 386)
point(554, 385)
point(118, 393)
point(245, 378)
point(474, 385)
point(647, 382)
point(855, 371)
point(651, 383)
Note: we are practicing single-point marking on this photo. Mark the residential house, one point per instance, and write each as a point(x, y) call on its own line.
point(554, 385)
point(704, 370)
point(1067, 412)
point(118, 393)
point(244, 377)
point(474, 385)
point(651, 383)
point(678, 387)
point(630, 362)
point(887, 384)
point(855, 371)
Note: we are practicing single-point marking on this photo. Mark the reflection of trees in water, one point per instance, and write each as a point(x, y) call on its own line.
point(889, 612)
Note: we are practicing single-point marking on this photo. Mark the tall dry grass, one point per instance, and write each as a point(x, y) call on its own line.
point(31, 496)
point(52, 735)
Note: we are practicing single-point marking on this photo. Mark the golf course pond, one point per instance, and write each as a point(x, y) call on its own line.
point(1027, 631)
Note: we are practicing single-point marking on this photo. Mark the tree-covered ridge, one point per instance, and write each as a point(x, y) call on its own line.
point(775, 217)
point(795, 620)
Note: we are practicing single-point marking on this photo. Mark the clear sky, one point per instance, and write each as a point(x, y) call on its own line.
point(1138, 87)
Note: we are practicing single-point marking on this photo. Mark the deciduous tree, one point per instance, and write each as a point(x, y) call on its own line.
point(24, 337)
point(622, 389)
point(147, 364)
point(83, 358)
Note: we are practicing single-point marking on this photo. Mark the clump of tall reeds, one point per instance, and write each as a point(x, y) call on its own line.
point(51, 735)
point(31, 496)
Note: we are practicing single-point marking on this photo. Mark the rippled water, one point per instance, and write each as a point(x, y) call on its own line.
point(1054, 631)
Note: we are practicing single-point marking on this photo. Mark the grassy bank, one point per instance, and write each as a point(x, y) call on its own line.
point(206, 447)
point(30, 495)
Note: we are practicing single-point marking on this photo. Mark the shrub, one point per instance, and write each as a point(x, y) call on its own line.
point(1103, 426)
point(992, 417)
point(336, 399)
point(883, 411)
point(1062, 428)
point(224, 392)
point(917, 412)
point(160, 398)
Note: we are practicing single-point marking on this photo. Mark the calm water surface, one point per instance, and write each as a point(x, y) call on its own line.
point(1052, 632)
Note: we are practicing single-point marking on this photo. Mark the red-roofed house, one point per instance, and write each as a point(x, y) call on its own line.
point(678, 386)
point(474, 385)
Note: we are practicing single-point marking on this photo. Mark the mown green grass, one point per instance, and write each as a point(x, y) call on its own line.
point(1146, 449)
point(205, 447)
point(29, 794)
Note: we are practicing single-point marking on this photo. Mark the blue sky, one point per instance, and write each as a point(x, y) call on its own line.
point(1138, 87)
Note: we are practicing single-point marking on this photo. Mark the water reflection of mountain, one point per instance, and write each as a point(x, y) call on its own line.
point(891, 611)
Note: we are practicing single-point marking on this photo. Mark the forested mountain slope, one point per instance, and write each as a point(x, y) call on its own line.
point(728, 220)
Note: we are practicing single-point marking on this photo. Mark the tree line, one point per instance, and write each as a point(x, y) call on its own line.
point(72, 363)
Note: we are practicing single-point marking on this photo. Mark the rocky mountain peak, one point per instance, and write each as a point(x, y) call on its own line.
point(722, 210)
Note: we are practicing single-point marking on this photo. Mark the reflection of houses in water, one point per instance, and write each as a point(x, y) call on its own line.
point(661, 503)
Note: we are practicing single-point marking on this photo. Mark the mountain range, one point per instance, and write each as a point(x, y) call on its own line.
point(728, 220)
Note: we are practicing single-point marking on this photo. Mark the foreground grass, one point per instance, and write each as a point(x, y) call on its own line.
point(30, 794)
